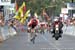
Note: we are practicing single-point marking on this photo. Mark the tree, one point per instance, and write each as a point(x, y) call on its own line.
point(52, 7)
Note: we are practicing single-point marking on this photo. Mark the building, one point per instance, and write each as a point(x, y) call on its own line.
point(71, 9)
point(7, 8)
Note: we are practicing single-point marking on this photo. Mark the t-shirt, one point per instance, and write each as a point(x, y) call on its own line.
point(34, 22)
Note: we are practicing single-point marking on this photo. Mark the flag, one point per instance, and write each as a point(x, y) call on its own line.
point(45, 15)
point(25, 17)
point(23, 7)
point(21, 12)
point(26, 14)
point(22, 21)
point(35, 14)
point(16, 6)
point(17, 16)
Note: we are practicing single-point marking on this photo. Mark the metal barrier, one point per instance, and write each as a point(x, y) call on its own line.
point(6, 32)
point(69, 30)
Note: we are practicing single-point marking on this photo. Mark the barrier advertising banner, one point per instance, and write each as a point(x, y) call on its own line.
point(64, 10)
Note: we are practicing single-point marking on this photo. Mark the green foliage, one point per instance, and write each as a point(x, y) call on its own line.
point(53, 7)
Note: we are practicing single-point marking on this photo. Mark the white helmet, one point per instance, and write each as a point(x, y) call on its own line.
point(55, 19)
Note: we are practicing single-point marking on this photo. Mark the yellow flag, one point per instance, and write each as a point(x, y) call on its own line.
point(17, 16)
point(26, 15)
point(35, 14)
point(23, 5)
point(21, 12)
point(22, 21)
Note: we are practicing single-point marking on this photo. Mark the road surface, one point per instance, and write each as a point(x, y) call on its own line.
point(42, 42)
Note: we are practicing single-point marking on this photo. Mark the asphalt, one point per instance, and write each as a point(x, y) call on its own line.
point(42, 42)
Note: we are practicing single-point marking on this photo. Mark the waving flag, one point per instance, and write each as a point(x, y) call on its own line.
point(21, 13)
point(17, 16)
point(23, 7)
point(26, 14)
point(22, 21)
point(35, 14)
point(25, 17)
point(16, 7)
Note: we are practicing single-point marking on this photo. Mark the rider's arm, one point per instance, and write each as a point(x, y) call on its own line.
point(38, 21)
point(29, 22)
